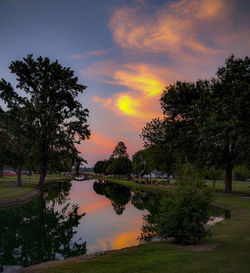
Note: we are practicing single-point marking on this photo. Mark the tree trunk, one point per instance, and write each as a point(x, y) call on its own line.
point(228, 178)
point(19, 176)
point(43, 171)
point(168, 179)
point(213, 182)
point(1, 171)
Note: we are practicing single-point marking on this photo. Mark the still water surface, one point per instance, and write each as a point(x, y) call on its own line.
point(75, 218)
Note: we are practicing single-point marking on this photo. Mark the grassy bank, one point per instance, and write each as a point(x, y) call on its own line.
point(237, 186)
point(226, 251)
point(8, 186)
point(134, 185)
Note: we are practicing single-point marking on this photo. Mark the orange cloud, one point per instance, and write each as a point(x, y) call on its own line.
point(140, 77)
point(175, 28)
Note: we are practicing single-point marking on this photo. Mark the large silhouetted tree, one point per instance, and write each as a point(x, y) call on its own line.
point(57, 119)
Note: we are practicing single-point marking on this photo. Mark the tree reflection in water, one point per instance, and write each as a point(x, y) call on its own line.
point(119, 195)
point(41, 230)
point(151, 202)
point(142, 200)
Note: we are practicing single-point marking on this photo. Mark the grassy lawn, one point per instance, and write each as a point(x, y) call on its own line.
point(238, 186)
point(9, 189)
point(231, 255)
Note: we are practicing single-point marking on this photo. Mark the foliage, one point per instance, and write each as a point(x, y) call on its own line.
point(184, 215)
point(60, 161)
point(16, 139)
point(241, 172)
point(144, 161)
point(189, 175)
point(213, 174)
point(118, 163)
point(120, 150)
point(56, 119)
point(98, 167)
point(159, 140)
point(120, 166)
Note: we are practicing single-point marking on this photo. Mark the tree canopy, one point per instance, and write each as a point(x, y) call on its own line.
point(120, 150)
point(118, 163)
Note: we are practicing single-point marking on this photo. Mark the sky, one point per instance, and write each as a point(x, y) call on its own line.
point(126, 52)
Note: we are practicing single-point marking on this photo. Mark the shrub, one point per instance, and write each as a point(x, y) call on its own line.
point(184, 215)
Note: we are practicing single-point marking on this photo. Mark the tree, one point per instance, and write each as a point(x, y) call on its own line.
point(140, 163)
point(159, 138)
point(121, 166)
point(120, 150)
point(212, 117)
point(98, 167)
point(213, 174)
point(58, 120)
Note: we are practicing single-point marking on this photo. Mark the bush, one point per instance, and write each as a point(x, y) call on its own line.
point(184, 215)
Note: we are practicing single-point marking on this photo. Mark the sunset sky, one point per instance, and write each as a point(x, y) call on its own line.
point(126, 52)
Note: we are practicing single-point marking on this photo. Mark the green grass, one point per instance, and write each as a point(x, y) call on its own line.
point(11, 190)
point(231, 255)
point(134, 185)
point(8, 187)
point(237, 186)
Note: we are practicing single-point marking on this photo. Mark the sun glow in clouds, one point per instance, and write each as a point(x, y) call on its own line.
point(126, 104)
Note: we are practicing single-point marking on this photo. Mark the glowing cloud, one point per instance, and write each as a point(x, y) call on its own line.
point(139, 77)
point(145, 84)
point(180, 29)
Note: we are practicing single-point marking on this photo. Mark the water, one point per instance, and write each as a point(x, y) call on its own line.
point(75, 218)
